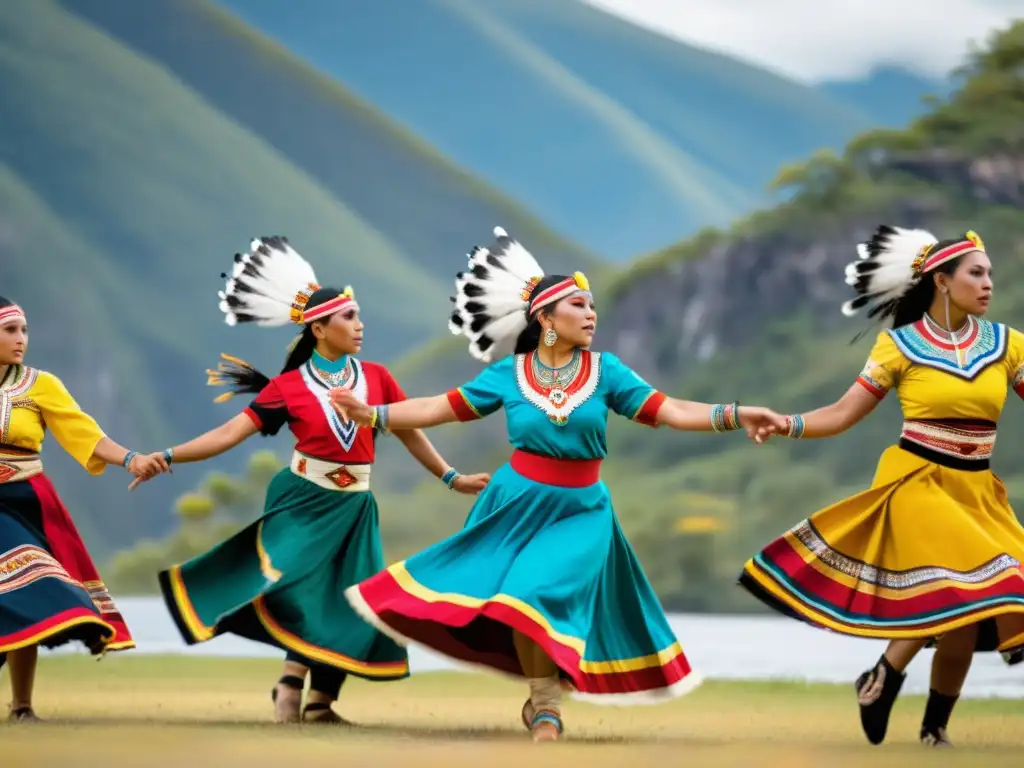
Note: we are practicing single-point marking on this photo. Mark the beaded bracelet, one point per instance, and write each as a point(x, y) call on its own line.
point(796, 425)
point(449, 478)
point(380, 418)
point(128, 458)
point(725, 418)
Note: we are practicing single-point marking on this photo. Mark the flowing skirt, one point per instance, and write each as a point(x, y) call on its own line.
point(50, 590)
point(927, 549)
point(550, 562)
point(281, 581)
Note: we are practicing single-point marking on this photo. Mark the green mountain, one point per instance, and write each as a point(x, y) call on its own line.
point(624, 138)
point(131, 178)
point(752, 314)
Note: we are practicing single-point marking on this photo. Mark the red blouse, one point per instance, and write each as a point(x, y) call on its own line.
point(300, 399)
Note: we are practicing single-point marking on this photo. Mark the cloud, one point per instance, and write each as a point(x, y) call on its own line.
point(814, 40)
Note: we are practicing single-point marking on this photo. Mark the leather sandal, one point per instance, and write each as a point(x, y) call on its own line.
point(546, 725)
point(322, 715)
point(287, 698)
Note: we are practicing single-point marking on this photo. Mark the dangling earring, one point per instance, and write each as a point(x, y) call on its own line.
point(550, 337)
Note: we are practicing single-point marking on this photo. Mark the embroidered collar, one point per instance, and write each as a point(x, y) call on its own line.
point(559, 399)
point(17, 380)
point(981, 344)
point(16, 383)
point(938, 331)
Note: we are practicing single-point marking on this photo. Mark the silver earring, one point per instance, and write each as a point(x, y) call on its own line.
point(550, 337)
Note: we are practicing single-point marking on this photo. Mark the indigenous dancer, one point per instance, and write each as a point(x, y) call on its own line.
point(50, 591)
point(932, 550)
point(541, 582)
point(279, 581)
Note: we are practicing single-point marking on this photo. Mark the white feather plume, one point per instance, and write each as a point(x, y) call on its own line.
point(264, 282)
point(883, 271)
point(489, 308)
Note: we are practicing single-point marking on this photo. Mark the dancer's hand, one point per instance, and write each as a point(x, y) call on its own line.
point(146, 468)
point(471, 484)
point(350, 408)
point(761, 423)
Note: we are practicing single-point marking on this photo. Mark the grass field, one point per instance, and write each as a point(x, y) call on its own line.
point(173, 711)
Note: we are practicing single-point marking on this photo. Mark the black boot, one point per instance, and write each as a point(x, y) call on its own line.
point(875, 708)
point(936, 719)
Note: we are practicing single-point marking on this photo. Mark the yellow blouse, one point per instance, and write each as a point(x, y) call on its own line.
point(933, 382)
point(32, 401)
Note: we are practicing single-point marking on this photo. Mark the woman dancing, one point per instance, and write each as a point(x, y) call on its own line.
point(280, 580)
point(541, 582)
point(932, 551)
point(50, 591)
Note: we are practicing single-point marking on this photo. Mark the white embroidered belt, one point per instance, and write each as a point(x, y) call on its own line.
point(18, 465)
point(330, 474)
point(960, 443)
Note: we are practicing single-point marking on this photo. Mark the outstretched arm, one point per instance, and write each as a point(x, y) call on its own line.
point(216, 441)
point(115, 454)
point(833, 419)
point(691, 416)
point(473, 400)
point(630, 396)
point(417, 413)
point(79, 434)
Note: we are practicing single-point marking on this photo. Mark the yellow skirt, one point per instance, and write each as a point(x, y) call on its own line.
point(927, 549)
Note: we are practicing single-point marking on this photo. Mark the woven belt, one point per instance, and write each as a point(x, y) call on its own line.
point(19, 465)
point(957, 443)
point(332, 475)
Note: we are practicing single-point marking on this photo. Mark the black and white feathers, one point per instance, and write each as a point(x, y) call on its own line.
point(266, 284)
point(492, 297)
point(884, 270)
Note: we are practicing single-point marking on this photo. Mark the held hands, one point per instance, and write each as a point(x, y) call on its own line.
point(146, 467)
point(351, 408)
point(761, 423)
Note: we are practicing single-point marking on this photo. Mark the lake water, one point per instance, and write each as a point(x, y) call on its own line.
point(719, 647)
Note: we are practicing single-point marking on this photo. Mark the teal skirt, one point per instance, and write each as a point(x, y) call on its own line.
point(552, 563)
point(281, 581)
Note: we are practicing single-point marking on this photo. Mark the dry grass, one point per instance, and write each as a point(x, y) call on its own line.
point(170, 711)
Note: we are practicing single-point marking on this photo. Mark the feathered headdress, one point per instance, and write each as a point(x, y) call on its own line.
point(893, 261)
point(271, 284)
point(495, 299)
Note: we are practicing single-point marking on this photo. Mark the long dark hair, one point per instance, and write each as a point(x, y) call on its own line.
point(241, 377)
point(6, 302)
point(529, 339)
point(912, 305)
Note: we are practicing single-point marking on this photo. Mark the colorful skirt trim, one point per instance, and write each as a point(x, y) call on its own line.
point(546, 561)
point(927, 550)
point(50, 590)
point(279, 581)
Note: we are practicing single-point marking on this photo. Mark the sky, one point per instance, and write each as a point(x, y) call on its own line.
point(815, 40)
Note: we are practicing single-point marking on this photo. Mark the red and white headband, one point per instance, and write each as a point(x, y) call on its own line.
point(344, 300)
point(560, 290)
point(12, 314)
point(929, 258)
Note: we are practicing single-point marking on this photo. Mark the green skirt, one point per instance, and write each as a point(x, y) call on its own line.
point(282, 580)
